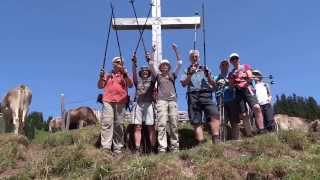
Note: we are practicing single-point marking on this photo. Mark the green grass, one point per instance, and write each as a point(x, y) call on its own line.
point(12, 149)
point(72, 155)
point(40, 136)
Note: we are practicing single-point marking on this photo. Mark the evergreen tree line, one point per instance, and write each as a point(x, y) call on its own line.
point(35, 121)
point(297, 106)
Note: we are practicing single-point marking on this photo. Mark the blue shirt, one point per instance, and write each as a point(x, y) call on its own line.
point(228, 92)
point(199, 82)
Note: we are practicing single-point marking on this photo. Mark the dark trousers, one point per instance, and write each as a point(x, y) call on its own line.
point(268, 119)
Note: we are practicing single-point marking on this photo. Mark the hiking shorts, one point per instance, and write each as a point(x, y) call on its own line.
point(143, 112)
point(201, 107)
point(246, 96)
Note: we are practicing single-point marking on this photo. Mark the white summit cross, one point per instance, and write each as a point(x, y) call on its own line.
point(156, 23)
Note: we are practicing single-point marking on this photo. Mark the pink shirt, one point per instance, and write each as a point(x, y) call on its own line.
point(116, 89)
point(236, 76)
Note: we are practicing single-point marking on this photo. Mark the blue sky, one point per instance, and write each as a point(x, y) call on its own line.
point(57, 46)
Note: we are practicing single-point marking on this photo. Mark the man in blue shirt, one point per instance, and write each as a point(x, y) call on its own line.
point(231, 109)
point(200, 85)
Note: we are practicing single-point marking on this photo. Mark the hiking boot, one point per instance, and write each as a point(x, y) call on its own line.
point(201, 142)
point(216, 139)
point(261, 131)
point(161, 151)
point(106, 151)
point(117, 152)
point(137, 151)
point(175, 150)
point(154, 150)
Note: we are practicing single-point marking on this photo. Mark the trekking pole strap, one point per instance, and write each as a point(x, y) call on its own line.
point(140, 31)
point(117, 35)
point(143, 29)
point(107, 43)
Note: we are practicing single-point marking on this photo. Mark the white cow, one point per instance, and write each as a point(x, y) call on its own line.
point(15, 106)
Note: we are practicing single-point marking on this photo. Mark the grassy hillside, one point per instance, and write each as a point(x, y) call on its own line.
point(70, 155)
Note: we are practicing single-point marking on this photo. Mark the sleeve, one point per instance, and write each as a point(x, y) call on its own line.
point(184, 75)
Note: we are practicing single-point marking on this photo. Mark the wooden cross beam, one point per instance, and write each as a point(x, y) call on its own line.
point(156, 23)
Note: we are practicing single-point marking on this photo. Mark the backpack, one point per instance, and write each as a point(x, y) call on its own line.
point(172, 78)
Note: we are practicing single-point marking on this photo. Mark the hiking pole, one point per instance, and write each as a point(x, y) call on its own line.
point(143, 28)
point(140, 32)
point(195, 33)
point(107, 43)
point(221, 113)
point(114, 22)
point(204, 35)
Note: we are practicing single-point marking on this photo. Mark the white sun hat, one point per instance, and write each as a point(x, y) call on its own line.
point(234, 55)
point(164, 61)
point(117, 58)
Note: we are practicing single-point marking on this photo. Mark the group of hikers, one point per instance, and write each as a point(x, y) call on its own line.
point(156, 100)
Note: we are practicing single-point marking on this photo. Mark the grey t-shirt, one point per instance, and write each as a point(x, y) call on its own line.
point(166, 87)
point(145, 89)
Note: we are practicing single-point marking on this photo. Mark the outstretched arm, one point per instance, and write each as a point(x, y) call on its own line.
point(150, 60)
point(179, 62)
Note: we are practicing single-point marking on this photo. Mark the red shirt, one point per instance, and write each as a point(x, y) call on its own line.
point(116, 89)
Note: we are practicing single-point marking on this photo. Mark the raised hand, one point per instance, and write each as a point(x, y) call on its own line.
point(101, 74)
point(175, 49)
point(148, 56)
point(134, 59)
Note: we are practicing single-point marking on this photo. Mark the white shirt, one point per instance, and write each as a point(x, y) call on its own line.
point(262, 93)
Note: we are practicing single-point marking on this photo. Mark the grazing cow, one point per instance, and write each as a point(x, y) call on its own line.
point(15, 106)
point(55, 124)
point(80, 117)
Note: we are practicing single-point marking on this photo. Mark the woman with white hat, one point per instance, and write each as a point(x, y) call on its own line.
point(167, 110)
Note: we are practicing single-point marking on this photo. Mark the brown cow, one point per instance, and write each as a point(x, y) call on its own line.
point(55, 124)
point(80, 117)
point(15, 106)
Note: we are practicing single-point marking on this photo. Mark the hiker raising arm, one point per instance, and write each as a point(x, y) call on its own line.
point(150, 59)
point(179, 62)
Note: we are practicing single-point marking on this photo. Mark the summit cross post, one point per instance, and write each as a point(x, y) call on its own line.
point(156, 23)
